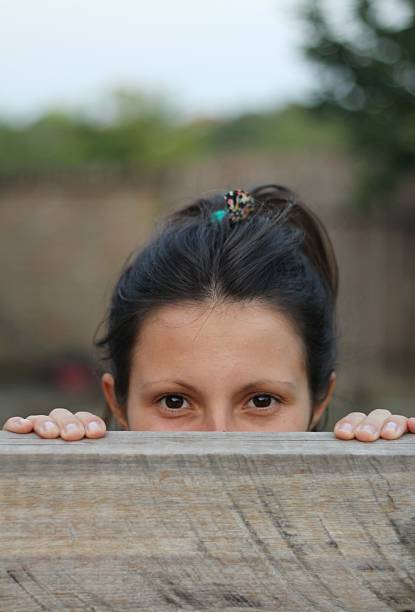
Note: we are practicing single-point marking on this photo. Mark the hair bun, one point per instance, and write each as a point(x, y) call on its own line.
point(283, 205)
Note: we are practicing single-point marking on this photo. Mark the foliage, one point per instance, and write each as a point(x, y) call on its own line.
point(366, 78)
point(144, 133)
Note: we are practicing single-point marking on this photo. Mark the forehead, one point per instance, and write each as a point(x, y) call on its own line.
point(248, 335)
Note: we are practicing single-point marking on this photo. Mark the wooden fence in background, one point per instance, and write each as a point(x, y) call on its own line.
point(66, 237)
point(207, 521)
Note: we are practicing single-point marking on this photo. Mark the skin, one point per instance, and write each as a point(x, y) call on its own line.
point(221, 352)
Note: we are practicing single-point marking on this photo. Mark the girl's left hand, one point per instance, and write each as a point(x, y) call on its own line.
point(377, 424)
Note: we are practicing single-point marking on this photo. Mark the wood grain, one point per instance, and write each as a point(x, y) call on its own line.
point(207, 521)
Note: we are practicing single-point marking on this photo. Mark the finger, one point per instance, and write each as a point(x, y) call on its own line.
point(394, 427)
point(369, 429)
point(33, 418)
point(18, 425)
point(45, 427)
point(345, 427)
point(95, 427)
point(48, 429)
point(411, 425)
point(70, 426)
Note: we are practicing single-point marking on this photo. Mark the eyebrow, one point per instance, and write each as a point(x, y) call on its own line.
point(255, 383)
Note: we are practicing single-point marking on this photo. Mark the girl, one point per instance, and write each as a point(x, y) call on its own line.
point(224, 321)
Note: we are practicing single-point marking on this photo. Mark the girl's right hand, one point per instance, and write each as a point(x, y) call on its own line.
point(60, 423)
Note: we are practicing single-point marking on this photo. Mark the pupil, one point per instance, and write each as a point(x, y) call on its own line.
point(262, 400)
point(171, 401)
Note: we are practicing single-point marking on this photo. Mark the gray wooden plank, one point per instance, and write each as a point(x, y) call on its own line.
point(162, 443)
point(207, 521)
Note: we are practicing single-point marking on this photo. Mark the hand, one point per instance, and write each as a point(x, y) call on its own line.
point(368, 428)
point(55, 424)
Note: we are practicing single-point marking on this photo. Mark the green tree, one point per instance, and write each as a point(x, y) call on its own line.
point(366, 78)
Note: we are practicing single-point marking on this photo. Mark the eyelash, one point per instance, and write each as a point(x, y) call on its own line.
point(178, 410)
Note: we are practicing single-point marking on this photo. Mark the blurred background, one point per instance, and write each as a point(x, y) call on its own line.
point(115, 112)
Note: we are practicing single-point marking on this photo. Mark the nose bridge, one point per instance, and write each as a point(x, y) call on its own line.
point(219, 417)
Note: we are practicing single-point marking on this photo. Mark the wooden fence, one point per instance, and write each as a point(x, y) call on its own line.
point(207, 521)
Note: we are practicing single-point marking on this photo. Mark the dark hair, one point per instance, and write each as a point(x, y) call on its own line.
point(281, 255)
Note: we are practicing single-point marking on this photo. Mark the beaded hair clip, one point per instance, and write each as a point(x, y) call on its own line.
point(239, 205)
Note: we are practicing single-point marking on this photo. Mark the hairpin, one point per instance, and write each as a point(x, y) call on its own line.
point(239, 205)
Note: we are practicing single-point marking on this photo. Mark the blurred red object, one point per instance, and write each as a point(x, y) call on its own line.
point(73, 377)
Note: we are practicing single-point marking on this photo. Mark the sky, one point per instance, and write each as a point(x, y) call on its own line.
point(210, 57)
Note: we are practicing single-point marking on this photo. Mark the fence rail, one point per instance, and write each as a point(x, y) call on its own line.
point(207, 521)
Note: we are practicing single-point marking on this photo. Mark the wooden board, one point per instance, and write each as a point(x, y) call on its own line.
point(207, 521)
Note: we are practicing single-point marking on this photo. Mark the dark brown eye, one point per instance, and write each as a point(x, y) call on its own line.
point(173, 402)
point(264, 401)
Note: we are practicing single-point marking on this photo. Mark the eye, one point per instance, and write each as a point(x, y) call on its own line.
point(174, 403)
point(263, 401)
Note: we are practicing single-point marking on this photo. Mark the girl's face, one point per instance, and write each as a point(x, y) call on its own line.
point(234, 367)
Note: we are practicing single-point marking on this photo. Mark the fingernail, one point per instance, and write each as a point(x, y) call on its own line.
point(71, 428)
point(346, 427)
point(367, 429)
point(390, 427)
point(94, 427)
point(48, 426)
